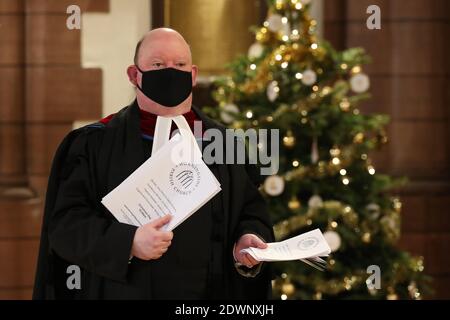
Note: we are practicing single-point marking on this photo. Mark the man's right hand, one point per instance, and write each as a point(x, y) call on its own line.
point(151, 243)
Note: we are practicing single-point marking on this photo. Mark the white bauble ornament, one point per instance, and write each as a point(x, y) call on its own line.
point(359, 83)
point(273, 91)
point(275, 22)
point(309, 77)
point(274, 185)
point(333, 239)
point(373, 210)
point(255, 51)
point(228, 112)
point(315, 202)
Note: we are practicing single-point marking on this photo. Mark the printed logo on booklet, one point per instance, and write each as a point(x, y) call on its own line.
point(308, 243)
point(184, 178)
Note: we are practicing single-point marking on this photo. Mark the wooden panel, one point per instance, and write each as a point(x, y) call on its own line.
point(60, 6)
point(42, 143)
point(18, 270)
point(63, 94)
point(441, 286)
point(381, 89)
point(16, 294)
point(391, 47)
point(400, 9)
point(438, 213)
point(335, 33)
point(425, 212)
point(20, 218)
point(11, 143)
point(12, 85)
point(432, 247)
point(38, 183)
point(377, 43)
point(408, 97)
point(12, 6)
point(50, 42)
point(414, 217)
point(381, 159)
point(11, 41)
point(335, 11)
point(420, 149)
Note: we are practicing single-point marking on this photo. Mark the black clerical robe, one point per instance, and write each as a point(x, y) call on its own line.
point(78, 230)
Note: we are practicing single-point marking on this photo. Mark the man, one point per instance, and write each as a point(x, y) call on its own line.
point(202, 257)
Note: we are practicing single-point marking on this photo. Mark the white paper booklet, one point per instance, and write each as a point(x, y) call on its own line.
point(174, 180)
point(307, 247)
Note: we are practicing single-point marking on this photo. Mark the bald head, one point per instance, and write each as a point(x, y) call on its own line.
point(161, 35)
point(159, 49)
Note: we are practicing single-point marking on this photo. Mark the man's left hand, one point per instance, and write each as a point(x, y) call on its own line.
point(246, 241)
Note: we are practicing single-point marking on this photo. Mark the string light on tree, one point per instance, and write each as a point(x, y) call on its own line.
point(335, 161)
point(335, 152)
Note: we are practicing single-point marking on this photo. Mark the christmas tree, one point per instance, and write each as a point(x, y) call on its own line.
point(295, 82)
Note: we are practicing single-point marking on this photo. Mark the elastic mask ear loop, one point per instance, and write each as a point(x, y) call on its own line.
point(142, 72)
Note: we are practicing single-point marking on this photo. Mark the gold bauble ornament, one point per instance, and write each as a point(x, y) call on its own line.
point(392, 296)
point(358, 138)
point(294, 203)
point(366, 237)
point(289, 140)
point(344, 105)
point(288, 288)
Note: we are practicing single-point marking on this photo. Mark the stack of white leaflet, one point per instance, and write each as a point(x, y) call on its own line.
point(174, 180)
point(308, 247)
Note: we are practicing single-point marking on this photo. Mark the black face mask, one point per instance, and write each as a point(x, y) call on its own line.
point(168, 87)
